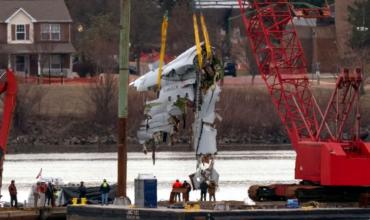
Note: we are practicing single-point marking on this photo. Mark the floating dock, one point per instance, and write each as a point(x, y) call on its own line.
point(111, 212)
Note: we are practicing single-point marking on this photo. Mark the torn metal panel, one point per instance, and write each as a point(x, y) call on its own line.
point(204, 134)
point(204, 175)
point(207, 112)
point(154, 107)
point(207, 140)
point(181, 65)
point(172, 94)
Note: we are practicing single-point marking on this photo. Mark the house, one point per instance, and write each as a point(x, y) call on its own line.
point(35, 37)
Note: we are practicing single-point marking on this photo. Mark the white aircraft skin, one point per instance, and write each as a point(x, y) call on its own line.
point(163, 115)
point(149, 80)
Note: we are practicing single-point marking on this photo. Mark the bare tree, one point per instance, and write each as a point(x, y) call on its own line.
point(145, 28)
point(180, 28)
point(359, 38)
point(28, 97)
point(100, 43)
point(103, 100)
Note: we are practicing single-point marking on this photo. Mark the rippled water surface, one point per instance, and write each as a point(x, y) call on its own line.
point(237, 170)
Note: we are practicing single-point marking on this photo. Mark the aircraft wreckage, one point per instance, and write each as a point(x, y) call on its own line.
point(184, 85)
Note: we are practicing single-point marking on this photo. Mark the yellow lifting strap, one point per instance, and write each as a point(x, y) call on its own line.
point(206, 37)
point(163, 49)
point(197, 41)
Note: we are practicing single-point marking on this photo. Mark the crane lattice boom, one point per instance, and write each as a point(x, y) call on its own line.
point(327, 154)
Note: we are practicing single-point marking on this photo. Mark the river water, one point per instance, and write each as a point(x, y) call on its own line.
point(238, 170)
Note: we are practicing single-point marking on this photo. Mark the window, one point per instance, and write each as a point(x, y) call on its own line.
point(50, 32)
point(55, 62)
point(52, 64)
point(20, 32)
point(45, 32)
point(55, 31)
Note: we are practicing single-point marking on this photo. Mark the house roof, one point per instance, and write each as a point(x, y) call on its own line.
point(40, 10)
point(51, 48)
point(20, 10)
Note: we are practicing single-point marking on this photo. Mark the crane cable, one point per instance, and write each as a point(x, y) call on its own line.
point(163, 49)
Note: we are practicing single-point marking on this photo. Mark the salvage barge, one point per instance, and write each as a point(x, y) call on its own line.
point(119, 213)
point(265, 210)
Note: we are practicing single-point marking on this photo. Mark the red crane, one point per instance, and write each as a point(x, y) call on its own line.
point(331, 157)
point(8, 87)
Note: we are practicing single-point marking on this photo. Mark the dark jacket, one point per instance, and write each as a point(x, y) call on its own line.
point(82, 191)
point(50, 191)
point(203, 187)
point(187, 186)
point(104, 187)
point(12, 190)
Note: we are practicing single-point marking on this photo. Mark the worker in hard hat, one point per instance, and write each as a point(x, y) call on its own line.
point(104, 190)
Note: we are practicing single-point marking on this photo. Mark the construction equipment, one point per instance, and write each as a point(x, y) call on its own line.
point(8, 86)
point(332, 161)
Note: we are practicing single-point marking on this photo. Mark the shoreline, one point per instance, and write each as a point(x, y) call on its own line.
point(95, 148)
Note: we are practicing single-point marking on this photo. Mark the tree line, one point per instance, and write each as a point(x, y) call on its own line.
point(96, 30)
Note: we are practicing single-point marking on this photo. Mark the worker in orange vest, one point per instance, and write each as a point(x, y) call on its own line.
point(176, 185)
